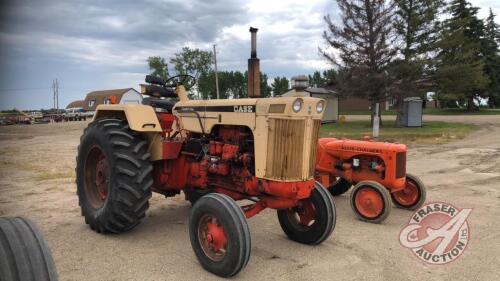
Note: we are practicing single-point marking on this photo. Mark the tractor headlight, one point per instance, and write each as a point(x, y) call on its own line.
point(320, 106)
point(297, 105)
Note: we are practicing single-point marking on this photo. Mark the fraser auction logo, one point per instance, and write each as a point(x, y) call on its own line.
point(437, 233)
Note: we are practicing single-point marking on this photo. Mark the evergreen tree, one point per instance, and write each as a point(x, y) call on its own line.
point(280, 85)
point(492, 56)
point(415, 24)
point(364, 48)
point(460, 61)
point(316, 80)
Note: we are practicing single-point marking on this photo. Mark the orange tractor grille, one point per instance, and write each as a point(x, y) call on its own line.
point(291, 148)
point(400, 165)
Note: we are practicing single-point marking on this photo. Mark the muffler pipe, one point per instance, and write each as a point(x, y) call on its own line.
point(253, 67)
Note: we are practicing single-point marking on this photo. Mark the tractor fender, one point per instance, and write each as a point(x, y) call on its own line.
point(140, 118)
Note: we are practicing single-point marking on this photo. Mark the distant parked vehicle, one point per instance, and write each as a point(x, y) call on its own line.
point(75, 114)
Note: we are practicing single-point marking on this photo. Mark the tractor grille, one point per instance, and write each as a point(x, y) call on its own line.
point(400, 164)
point(291, 148)
point(314, 146)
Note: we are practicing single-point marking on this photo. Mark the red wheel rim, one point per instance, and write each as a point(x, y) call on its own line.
point(407, 196)
point(303, 215)
point(97, 177)
point(212, 238)
point(369, 202)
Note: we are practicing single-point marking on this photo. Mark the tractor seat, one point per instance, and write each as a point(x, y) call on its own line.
point(158, 103)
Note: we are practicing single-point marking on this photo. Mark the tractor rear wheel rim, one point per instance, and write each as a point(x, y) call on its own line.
point(97, 177)
point(212, 238)
point(303, 215)
point(369, 202)
point(408, 195)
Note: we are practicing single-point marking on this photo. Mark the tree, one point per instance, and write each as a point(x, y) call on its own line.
point(316, 80)
point(415, 24)
point(232, 84)
point(492, 63)
point(265, 89)
point(363, 45)
point(460, 60)
point(280, 85)
point(158, 67)
point(192, 61)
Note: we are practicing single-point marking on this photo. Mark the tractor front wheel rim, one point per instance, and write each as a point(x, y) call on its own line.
point(369, 202)
point(212, 238)
point(303, 215)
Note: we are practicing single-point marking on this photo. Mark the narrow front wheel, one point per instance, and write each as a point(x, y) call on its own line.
point(219, 235)
point(312, 220)
point(371, 201)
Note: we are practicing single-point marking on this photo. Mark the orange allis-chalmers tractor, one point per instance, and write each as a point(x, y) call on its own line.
point(261, 150)
point(378, 171)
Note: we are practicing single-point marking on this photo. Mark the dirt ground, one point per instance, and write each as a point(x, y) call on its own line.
point(37, 181)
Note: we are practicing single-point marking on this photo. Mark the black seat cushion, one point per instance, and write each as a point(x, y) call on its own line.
point(163, 104)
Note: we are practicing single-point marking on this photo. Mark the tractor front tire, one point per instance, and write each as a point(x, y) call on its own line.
point(193, 195)
point(24, 254)
point(219, 235)
point(371, 201)
point(312, 220)
point(339, 186)
point(412, 196)
point(113, 176)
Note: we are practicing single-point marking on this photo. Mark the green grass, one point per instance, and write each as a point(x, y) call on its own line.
point(431, 111)
point(431, 132)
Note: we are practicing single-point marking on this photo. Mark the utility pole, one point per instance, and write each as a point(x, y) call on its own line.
point(55, 90)
point(54, 93)
point(216, 77)
point(57, 95)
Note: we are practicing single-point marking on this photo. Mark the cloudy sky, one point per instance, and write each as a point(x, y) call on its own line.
point(90, 45)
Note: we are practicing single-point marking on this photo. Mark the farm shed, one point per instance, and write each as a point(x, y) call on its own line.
point(123, 96)
point(76, 104)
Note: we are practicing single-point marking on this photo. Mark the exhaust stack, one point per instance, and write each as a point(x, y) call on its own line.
point(253, 67)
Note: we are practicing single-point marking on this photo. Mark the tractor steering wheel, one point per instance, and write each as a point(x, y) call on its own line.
point(181, 79)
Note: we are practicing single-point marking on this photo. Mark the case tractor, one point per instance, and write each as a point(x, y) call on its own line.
point(376, 169)
point(261, 151)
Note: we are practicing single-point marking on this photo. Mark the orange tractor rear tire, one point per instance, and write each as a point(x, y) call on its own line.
point(371, 201)
point(412, 196)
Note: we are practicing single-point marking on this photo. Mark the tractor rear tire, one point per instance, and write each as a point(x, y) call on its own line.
point(113, 176)
point(412, 196)
point(312, 220)
point(219, 234)
point(24, 254)
point(371, 201)
point(339, 187)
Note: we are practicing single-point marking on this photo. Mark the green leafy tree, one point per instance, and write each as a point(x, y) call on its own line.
point(158, 67)
point(460, 62)
point(363, 43)
point(192, 61)
point(415, 24)
point(232, 84)
point(492, 63)
point(280, 85)
point(265, 89)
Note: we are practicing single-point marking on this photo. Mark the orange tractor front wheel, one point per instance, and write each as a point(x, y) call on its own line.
point(371, 201)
